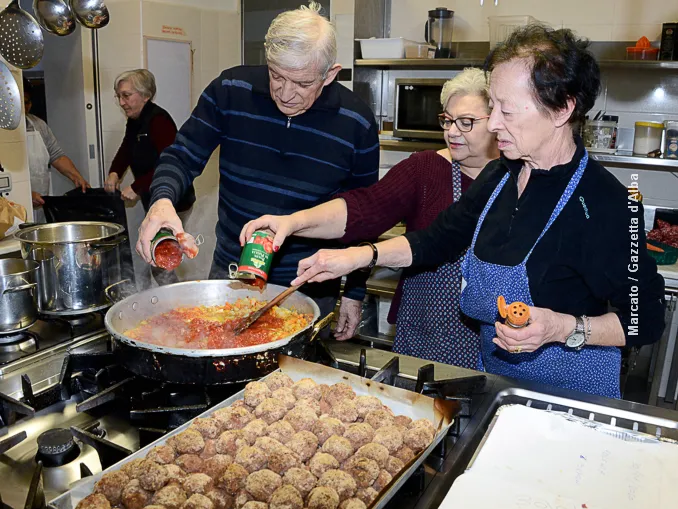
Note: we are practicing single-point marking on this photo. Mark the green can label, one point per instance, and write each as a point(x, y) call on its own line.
point(257, 255)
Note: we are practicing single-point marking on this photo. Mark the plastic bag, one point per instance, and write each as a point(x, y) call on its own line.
point(11, 216)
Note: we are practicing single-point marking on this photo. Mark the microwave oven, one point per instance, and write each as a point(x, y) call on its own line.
point(416, 108)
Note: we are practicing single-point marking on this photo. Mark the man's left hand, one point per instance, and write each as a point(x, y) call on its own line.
point(545, 326)
point(128, 194)
point(80, 182)
point(350, 313)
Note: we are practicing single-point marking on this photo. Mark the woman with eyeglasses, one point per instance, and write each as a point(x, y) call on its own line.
point(425, 308)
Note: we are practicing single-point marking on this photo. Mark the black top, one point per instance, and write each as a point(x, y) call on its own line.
point(586, 259)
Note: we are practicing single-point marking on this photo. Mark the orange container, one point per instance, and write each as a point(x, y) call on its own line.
point(643, 50)
point(516, 314)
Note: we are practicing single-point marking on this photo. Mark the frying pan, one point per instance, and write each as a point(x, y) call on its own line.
point(202, 366)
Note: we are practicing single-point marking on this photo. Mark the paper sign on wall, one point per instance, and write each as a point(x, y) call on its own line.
point(166, 29)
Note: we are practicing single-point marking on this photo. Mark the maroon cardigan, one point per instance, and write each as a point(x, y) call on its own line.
point(415, 191)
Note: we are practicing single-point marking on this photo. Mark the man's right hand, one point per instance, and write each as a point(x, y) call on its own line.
point(112, 183)
point(160, 215)
point(37, 199)
point(281, 226)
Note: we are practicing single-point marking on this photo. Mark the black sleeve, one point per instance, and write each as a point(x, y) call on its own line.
point(452, 231)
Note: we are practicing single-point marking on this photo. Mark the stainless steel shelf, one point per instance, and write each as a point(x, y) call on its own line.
point(457, 63)
point(637, 162)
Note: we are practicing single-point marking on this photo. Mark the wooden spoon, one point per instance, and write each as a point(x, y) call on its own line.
point(247, 321)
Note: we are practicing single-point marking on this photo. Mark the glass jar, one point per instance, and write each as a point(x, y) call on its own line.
point(671, 139)
point(647, 138)
point(600, 135)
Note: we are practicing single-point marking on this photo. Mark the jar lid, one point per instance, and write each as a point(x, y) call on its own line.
point(656, 125)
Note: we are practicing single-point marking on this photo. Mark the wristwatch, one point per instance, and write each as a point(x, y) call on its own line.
point(577, 338)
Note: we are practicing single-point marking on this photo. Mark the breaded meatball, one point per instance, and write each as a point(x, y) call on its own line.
point(301, 418)
point(189, 463)
point(210, 448)
point(402, 420)
point(111, 485)
point(382, 480)
point(338, 392)
point(324, 389)
point(155, 506)
point(339, 447)
point(254, 429)
point(285, 395)
point(215, 466)
point(376, 452)
point(174, 474)
point(363, 470)
point(303, 480)
point(208, 427)
point(134, 468)
point(134, 496)
point(256, 393)
point(262, 484)
point(310, 403)
point(268, 444)
point(220, 499)
point(322, 497)
point(154, 476)
point(359, 434)
point(94, 501)
point(321, 462)
point(366, 404)
point(340, 481)
point(253, 504)
point(241, 403)
point(242, 498)
point(233, 417)
point(162, 454)
point(230, 442)
point(367, 495)
point(189, 441)
point(379, 418)
point(390, 437)
point(278, 380)
point(306, 388)
point(304, 444)
point(352, 503)
point(172, 497)
point(282, 431)
point(252, 458)
point(197, 483)
point(423, 423)
point(233, 478)
point(418, 438)
point(345, 410)
point(394, 465)
point(271, 410)
point(281, 461)
point(325, 427)
point(325, 407)
point(405, 454)
point(286, 497)
point(198, 501)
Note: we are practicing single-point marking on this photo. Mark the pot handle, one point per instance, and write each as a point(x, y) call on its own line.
point(320, 325)
point(96, 246)
point(112, 292)
point(14, 289)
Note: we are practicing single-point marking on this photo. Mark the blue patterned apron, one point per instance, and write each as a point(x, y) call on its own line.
point(429, 323)
point(593, 369)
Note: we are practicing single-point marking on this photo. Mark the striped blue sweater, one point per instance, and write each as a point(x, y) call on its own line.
point(272, 164)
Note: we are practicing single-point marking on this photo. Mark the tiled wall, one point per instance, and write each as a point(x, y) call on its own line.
point(600, 20)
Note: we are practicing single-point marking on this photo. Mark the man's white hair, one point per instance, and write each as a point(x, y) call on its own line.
point(301, 38)
point(471, 81)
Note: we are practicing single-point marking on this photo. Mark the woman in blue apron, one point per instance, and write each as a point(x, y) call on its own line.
point(544, 225)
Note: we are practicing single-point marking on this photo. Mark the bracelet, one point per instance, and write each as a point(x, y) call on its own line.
point(375, 255)
point(587, 331)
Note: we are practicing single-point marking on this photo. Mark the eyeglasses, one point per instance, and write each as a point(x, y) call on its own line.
point(464, 124)
point(124, 96)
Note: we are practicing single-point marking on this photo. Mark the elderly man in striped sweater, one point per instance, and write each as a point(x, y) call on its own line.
point(290, 137)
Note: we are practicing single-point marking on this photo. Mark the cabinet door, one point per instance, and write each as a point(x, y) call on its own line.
point(664, 372)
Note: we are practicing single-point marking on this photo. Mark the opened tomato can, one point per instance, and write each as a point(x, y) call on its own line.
point(256, 257)
point(165, 250)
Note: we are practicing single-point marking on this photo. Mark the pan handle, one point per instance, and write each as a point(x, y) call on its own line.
point(29, 286)
point(113, 293)
point(320, 325)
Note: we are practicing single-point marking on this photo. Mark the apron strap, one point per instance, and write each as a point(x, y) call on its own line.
point(481, 219)
point(456, 181)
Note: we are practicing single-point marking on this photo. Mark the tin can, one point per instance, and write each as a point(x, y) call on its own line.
point(257, 256)
point(175, 254)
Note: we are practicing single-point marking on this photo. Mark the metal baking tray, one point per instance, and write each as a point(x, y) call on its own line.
point(401, 401)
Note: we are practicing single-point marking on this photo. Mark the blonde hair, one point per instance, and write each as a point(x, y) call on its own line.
point(302, 37)
point(142, 80)
point(471, 81)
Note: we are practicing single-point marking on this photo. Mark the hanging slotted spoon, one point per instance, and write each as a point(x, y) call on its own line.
point(10, 101)
point(55, 16)
point(21, 42)
point(90, 13)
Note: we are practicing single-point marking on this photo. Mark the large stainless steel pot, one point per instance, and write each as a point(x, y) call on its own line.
point(78, 261)
point(18, 308)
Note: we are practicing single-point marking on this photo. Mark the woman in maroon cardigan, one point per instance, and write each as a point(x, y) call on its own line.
point(429, 323)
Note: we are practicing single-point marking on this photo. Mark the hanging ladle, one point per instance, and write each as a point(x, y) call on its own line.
point(55, 16)
point(90, 13)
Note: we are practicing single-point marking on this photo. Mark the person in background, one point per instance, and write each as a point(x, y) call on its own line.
point(149, 130)
point(425, 308)
point(44, 151)
point(544, 225)
point(290, 137)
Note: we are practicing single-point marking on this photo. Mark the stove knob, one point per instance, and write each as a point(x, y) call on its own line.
point(55, 441)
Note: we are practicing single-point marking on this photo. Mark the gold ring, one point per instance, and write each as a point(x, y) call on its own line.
point(518, 349)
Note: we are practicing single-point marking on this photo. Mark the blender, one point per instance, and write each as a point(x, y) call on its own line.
point(439, 31)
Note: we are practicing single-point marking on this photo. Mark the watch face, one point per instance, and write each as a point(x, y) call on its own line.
point(575, 340)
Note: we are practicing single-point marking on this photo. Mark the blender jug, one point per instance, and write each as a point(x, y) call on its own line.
point(439, 31)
